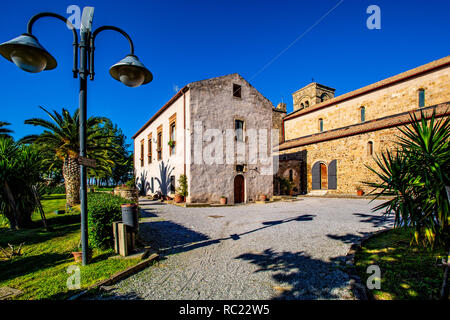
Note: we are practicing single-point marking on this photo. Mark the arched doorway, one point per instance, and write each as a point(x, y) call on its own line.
point(323, 176)
point(319, 176)
point(239, 189)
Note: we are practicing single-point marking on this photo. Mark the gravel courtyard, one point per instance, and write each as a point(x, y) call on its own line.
point(281, 250)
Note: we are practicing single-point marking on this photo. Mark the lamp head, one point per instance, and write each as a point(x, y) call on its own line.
point(131, 72)
point(28, 54)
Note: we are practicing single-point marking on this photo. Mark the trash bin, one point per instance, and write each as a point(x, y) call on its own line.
point(130, 216)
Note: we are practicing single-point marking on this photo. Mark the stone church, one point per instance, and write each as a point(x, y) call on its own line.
point(328, 140)
point(322, 147)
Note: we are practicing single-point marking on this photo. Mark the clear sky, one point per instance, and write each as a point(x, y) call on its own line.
point(185, 41)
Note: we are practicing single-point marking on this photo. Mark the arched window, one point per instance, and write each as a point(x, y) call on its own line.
point(291, 175)
point(362, 111)
point(323, 97)
point(302, 105)
point(306, 104)
point(370, 148)
point(421, 98)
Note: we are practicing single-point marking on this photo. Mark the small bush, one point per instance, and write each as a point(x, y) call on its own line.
point(103, 210)
point(183, 186)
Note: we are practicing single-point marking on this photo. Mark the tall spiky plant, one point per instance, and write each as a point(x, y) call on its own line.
point(416, 176)
point(61, 137)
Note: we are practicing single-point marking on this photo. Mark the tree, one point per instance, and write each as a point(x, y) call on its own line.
point(20, 168)
point(61, 139)
point(415, 175)
point(4, 131)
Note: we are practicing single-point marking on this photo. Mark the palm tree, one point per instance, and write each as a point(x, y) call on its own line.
point(61, 137)
point(5, 131)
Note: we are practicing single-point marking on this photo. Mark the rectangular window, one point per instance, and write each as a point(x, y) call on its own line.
point(149, 154)
point(421, 98)
point(363, 114)
point(321, 125)
point(142, 153)
point(172, 133)
point(159, 146)
point(236, 90)
point(239, 129)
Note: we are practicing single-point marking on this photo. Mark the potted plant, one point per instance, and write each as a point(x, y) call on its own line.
point(359, 190)
point(171, 143)
point(263, 197)
point(182, 190)
point(223, 200)
point(78, 254)
point(178, 198)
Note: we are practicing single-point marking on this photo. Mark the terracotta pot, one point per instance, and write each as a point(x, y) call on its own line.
point(263, 197)
point(178, 198)
point(292, 192)
point(78, 256)
point(223, 201)
point(359, 192)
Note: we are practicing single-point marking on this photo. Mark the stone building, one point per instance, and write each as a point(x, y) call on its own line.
point(206, 131)
point(327, 140)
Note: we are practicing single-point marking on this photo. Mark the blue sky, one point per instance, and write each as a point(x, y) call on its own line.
point(185, 41)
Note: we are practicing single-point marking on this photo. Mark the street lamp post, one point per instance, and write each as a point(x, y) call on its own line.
point(29, 55)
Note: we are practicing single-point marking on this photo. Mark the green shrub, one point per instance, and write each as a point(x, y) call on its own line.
point(131, 183)
point(103, 210)
point(183, 186)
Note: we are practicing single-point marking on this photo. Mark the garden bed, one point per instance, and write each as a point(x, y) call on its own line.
point(407, 272)
point(41, 271)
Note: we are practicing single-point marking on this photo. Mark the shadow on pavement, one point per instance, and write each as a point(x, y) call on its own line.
point(299, 275)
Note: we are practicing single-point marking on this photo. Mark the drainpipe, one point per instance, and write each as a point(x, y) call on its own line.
point(184, 130)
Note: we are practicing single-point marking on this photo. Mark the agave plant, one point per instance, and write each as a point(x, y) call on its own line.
point(415, 175)
point(61, 139)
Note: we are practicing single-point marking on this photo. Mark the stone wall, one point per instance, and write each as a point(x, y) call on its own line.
point(352, 155)
point(214, 107)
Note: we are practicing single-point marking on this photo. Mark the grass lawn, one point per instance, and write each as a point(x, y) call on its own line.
point(407, 272)
point(41, 271)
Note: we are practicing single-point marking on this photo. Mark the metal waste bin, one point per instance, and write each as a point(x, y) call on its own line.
point(130, 216)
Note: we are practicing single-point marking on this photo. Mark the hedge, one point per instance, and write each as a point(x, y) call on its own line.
point(103, 210)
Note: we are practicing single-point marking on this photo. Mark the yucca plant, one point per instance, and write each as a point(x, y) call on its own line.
point(415, 175)
point(61, 139)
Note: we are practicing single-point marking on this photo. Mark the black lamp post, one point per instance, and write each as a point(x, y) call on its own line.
point(29, 55)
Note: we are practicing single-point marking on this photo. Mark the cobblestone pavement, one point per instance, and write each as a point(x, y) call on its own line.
point(281, 250)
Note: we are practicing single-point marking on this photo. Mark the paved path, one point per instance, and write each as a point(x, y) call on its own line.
point(282, 250)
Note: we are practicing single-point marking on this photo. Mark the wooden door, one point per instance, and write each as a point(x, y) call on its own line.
point(323, 177)
point(239, 189)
